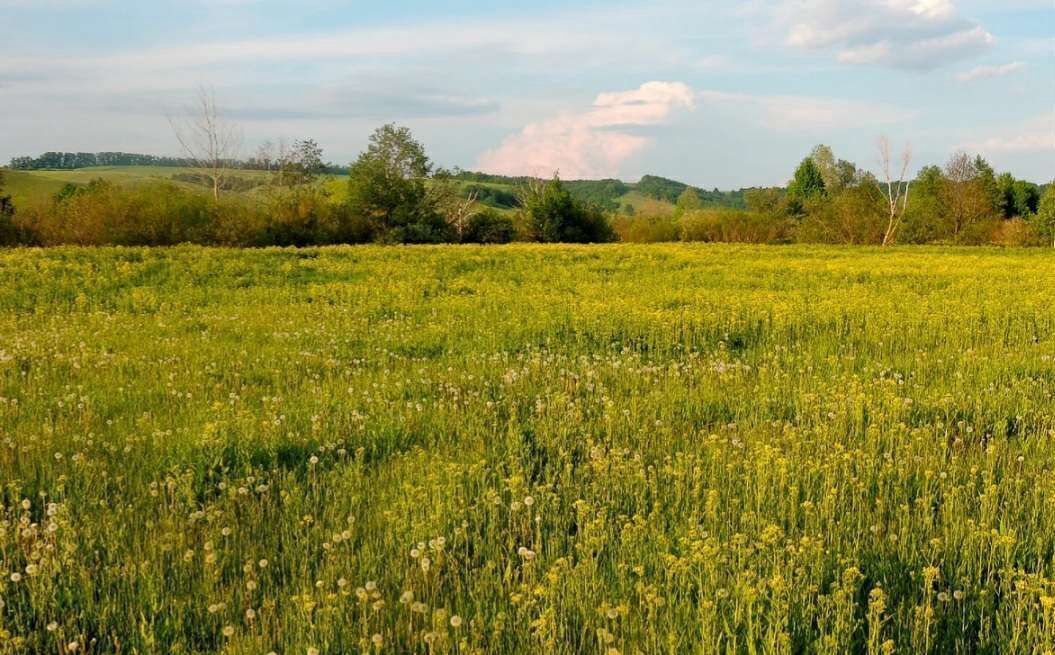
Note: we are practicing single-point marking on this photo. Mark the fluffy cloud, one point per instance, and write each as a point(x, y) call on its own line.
point(914, 34)
point(981, 72)
point(592, 143)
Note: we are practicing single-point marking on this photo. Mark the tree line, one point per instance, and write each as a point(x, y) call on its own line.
point(393, 193)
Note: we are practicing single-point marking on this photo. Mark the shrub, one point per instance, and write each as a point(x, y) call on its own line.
point(552, 215)
point(649, 228)
point(735, 226)
point(489, 226)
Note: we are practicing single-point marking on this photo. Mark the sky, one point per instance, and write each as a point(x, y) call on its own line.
point(717, 94)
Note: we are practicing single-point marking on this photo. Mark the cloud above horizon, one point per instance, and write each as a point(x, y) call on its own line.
point(592, 143)
point(751, 85)
point(905, 34)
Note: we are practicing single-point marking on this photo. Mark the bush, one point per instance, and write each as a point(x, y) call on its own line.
point(552, 215)
point(1016, 232)
point(489, 226)
point(650, 228)
point(734, 226)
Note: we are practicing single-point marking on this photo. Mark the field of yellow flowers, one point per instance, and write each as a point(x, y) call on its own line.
point(527, 449)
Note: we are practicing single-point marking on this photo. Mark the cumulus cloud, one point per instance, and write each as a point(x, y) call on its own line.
point(592, 143)
point(981, 72)
point(912, 34)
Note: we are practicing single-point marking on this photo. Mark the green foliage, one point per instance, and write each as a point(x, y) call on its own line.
point(388, 185)
point(604, 194)
point(688, 201)
point(855, 215)
point(647, 228)
point(1045, 216)
point(1017, 198)
point(806, 186)
point(552, 215)
point(661, 188)
point(9, 234)
point(490, 195)
point(734, 226)
point(489, 226)
point(302, 165)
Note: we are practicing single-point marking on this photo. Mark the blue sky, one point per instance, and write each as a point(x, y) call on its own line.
point(719, 94)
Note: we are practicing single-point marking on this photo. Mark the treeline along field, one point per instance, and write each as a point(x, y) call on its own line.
point(527, 449)
point(393, 193)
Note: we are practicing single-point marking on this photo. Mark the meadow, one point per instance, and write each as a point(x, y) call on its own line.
point(527, 449)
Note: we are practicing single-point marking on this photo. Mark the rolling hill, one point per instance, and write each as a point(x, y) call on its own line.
point(650, 194)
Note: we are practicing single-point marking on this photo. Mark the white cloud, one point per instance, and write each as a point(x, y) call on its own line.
point(981, 72)
point(592, 143)
point(1036, 135)
point(912, 34)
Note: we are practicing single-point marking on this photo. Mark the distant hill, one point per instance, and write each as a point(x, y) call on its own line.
point(32, 182)
point(612, 195)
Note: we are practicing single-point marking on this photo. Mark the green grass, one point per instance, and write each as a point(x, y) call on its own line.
point(633, 449)
point(32, 188)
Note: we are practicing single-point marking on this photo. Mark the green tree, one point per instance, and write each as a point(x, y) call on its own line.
point(553, 215)
point(924, 218)
point(388, 186)
point(302, 165)
point(806, 186)
point(1045, 217)
point(688, 201)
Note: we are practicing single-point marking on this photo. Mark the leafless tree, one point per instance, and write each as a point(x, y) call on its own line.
point(460, 211)
point(265, 154)
point(897, 191)
point(208, 138)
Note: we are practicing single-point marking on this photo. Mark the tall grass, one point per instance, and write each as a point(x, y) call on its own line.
point(527, 449)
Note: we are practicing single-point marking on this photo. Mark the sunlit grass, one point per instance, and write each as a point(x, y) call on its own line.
point(527, 449)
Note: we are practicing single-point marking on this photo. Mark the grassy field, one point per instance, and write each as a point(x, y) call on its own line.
point(527, 449)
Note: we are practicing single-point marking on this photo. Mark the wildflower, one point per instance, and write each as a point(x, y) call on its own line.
point(456, 621)
point(262, 563)
point(250, 614)
point(52, 627)
point(313, 651)
point(377, 640)
point(228, 631)
point(16, 577)
point(73, 646)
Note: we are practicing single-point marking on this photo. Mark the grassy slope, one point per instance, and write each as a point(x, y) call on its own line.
point(726, 449)
point(32, 187)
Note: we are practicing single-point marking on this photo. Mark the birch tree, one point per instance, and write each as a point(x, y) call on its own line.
point(897, 191)
point(208, 138)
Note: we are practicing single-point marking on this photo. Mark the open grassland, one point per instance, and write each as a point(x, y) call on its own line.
point(527, 449)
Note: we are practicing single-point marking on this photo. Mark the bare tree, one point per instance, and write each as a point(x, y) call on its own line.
point(265, 154)
point(460, 211)
point(208, 139)
point(897, 191)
